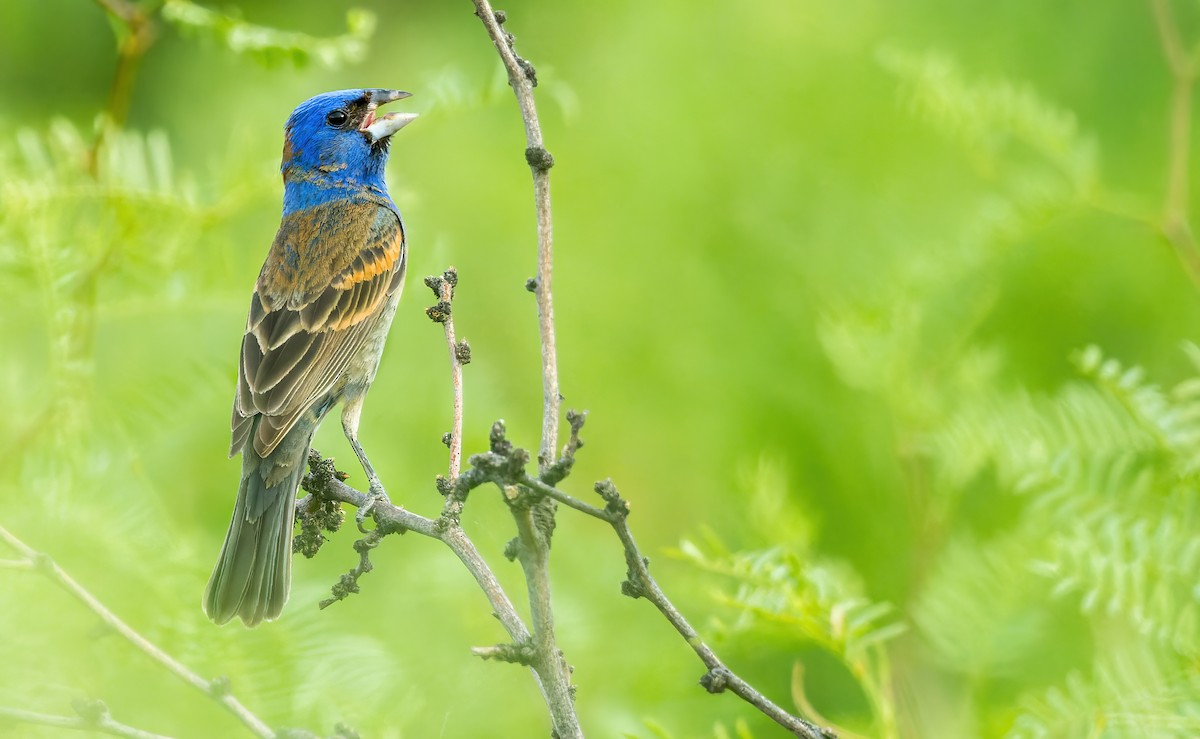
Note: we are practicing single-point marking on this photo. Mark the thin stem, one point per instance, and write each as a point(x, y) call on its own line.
point(522, 78)
point(641, 584)
point(457, 357)
point(48, 567)
point(533, 552)
point(551, 397)
point(1176, 224)
point(719, 676)
point(462, 546)
point(102, 723)
point(566, 499)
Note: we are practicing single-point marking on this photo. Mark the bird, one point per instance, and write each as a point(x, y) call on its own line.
point(319, 317)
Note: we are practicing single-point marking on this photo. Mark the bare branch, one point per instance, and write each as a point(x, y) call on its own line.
point(460, 354)
point(533, 551)
point(94, 716)
point(568, 500)
point(523, 78)
point(641, 584)
point(719, 677)
point(216, 689)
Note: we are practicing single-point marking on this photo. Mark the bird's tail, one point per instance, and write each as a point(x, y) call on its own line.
point(254, 571)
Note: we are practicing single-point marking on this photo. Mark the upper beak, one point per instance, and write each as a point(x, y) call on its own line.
point(380, 128)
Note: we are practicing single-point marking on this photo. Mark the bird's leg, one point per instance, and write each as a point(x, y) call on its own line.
point(350, 415)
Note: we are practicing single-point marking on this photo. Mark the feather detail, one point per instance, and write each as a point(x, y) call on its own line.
point(303, 331)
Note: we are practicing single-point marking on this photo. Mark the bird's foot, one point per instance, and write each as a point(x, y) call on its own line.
point(375, 494)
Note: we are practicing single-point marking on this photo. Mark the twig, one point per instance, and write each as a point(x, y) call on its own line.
point(348, 582)
point(218, 690)
point(460, 354)
point(641, 584)
point(533, 552)
point(1176, 225)
point(94, 717)
point(523, 78)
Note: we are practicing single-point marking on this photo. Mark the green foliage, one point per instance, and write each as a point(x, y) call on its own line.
point(272, 45)
point(1059, 543)
point(993, 120)
point(817, 600)
point(1124, 701)
point(73, 236)
point(790, 587)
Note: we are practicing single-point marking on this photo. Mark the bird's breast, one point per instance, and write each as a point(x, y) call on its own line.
point(360, 372)
point(312, 247)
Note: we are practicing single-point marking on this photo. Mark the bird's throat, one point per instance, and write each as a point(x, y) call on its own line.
point(308, 189)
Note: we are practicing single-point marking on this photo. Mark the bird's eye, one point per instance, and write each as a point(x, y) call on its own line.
point(337, 118)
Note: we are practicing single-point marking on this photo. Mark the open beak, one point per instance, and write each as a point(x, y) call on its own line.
point(379, 128)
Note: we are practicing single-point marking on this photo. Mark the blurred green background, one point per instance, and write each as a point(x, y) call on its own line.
point(868, 302)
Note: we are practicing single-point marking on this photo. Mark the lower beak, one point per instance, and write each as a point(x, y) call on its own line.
point(378, 129)
point(385, 126)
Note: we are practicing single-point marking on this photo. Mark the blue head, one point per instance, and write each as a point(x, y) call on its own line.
point(335, 145)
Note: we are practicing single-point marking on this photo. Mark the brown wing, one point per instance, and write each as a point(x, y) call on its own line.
point(329, 275)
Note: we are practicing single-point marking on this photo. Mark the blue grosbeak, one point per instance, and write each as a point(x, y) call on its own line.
point(318, 320)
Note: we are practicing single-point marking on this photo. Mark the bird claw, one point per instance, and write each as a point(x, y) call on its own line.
point(375, 494)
